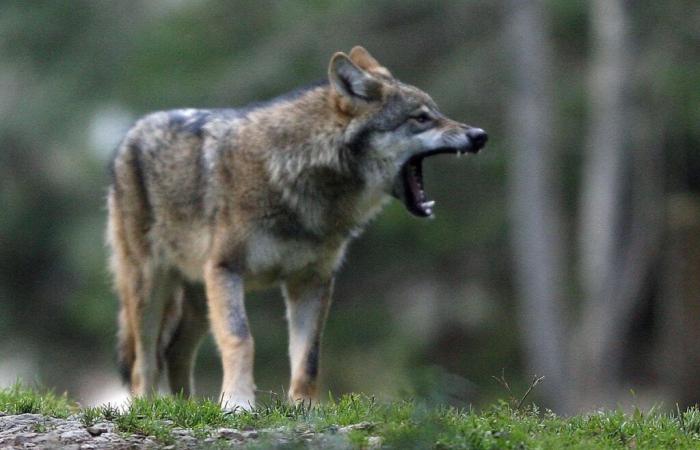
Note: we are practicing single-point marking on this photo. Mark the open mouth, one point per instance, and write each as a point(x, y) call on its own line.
point(409, 186)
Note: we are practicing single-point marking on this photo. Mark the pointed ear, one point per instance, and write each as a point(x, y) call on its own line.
point(351, 81)
point(360, 56)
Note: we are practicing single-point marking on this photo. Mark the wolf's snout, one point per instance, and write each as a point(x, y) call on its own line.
point(477, 138)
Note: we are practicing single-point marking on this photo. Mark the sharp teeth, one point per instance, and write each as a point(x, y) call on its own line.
point(459, 153)
point(428, 205)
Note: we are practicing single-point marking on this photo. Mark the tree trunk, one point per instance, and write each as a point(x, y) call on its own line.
point(535, 204)
point(621, 218)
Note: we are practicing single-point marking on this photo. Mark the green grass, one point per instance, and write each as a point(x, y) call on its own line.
point(402, 424)
point(18, 399)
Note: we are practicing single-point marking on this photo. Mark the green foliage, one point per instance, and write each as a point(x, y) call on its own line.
point(20, 399)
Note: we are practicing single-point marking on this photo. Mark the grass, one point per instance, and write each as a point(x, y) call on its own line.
point(401, 424)
point(17, 399)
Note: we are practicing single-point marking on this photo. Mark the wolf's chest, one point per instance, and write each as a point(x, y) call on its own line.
point(270, 258)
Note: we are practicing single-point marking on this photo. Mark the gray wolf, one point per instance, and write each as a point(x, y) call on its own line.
point(206, 204)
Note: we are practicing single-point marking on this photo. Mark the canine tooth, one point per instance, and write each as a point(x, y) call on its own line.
point(429, 204)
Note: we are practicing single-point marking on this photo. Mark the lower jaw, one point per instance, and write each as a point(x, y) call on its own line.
point(414, 203)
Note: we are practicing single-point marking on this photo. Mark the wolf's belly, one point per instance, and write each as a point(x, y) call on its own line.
point(268, 259)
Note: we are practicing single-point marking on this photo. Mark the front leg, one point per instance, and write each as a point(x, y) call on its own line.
point(229, 325)
point(307, 307)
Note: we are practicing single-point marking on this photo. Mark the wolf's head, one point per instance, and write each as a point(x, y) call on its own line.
point(392, 126)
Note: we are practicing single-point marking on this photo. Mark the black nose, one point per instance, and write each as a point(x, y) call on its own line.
point(477, 137)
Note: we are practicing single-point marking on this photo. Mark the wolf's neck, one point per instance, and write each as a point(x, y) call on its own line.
point(311, 165)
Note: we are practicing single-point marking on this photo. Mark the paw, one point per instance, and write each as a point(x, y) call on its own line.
point(303, 394)
point(302, 399)
point(237, 404)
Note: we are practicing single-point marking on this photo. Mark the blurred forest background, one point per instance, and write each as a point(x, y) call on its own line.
point(569, 248)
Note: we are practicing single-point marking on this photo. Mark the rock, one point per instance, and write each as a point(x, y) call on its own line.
point(356, 426)
point(39, 432)
point(229, 433)
point(374, 442)
point(51, 436)
point(307, 435)
point(75, 435)
point(96, 430)
point(29, 417)
point(71, 447)
point(107, 426)
point(252, 434)
point(24, 437)
point(181, 432)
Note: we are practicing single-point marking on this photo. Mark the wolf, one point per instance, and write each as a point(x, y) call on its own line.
point(207, 204)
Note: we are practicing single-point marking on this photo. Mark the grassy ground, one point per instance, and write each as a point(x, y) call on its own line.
point(402, 425)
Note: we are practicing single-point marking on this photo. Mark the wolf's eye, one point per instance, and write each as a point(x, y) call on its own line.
point(422, 118)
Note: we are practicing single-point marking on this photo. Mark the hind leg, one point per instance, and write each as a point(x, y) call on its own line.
point(137, 285)
point(143, 293)
point(181, 352)
point(143, 285)
point(153, 287)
